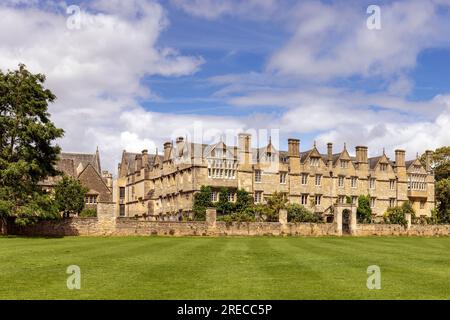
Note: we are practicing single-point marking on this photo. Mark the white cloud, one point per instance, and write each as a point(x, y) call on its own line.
point(95, 71)
point(332, 40)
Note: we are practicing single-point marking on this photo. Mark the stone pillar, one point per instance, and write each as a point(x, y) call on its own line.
point(106, 218)
point(282, 216)
point(353, 221)
point(283, 220)
point(211, 215)
point(338, 221)
point(408, 220)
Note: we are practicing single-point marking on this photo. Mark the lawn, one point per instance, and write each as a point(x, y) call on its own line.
point(225, 268)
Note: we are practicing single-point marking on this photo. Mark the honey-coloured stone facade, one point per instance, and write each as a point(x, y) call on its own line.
point(163, 186)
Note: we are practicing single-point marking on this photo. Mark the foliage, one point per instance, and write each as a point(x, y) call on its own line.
point(224, 206)
point(440, 162)
point(27, 154)
point(443, 200)
point(87, 213)
point(395, 215)
point(274, 204)
point(244, 201)
point(70, 195)
point(202, 201)
point(244, 216)
point(298, 213)
point(364, 212)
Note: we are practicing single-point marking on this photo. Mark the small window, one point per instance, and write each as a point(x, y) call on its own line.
point(372, 183)
point(122, 210)
point(391, 202)
point(318, 179)
point(341, 181)
point(354, 182)
point(341, 199)
point(258, 196)
point(372, 202)
point(422, 204)
point(317, 200)
point(344, 164)
point(392, 184)
point(122, 192)
point(283, 177)
point(213, 196)
point(258, 176)
point(304, 199)
point(355, 200)
point(304, 178)
point(383, 166)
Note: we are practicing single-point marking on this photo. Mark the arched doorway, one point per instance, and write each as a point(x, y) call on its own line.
point(346, 221)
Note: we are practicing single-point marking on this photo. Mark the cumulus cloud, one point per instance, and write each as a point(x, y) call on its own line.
point(332, 40)
point(96, 70)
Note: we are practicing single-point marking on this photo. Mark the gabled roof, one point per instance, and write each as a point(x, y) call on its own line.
point(76, 159)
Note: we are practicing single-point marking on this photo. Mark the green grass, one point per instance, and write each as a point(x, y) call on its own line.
point(225, 268)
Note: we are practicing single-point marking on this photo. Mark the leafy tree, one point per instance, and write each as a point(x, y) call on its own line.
point(440, 162)
point(223, 205)
point(298, 213)
point(69, 196)
point(364, 212)
point(202, 201)
point(274, 204)
point(244, 200)
point(443, 200)
point(27, 153)
point(395, 215)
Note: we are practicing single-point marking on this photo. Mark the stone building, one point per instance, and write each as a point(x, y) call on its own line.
point(164, 185)
point(87, 169)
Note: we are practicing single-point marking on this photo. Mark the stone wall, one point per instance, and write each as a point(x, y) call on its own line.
point(106, 224)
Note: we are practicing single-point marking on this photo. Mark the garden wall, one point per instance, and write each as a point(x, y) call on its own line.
point(106, 224)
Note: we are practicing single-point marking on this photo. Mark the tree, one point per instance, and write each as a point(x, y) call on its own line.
point(244, 200)
point(364, 212)
point(223, 205)
point(69, 196)
point(443, 200)
point(274, 204)
point(202, 201)
point(440, 162)
point(27, 153)
point(395, 215)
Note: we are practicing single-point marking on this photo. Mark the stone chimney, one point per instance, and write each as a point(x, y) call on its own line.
point(330, 151)
point(167, 148)
point(138, 162)
point(399, 158)
point(294, 147)
point(144, 158)
point(428, 160)
point(179, 143)
point(245, 154)
point(361, 158)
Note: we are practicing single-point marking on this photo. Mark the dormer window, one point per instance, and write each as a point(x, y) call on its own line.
point(344, 164)
point(314, 162)
point(383, 166)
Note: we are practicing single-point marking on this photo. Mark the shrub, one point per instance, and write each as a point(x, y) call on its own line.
point(298, 213)
point(395, 215)
point(364, 212)
point(202, 200)
point(87, 213)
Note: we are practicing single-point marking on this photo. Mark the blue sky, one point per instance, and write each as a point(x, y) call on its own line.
point(138, 73)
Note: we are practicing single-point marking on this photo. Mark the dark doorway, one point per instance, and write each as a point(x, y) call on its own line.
point(346, 221)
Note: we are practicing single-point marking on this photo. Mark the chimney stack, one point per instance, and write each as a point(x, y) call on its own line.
point(294, 147)
point(361, 154)
point(330, 151)
point(138, 162)
point(167, 148)
point(179, 143)
point(144, 158)
point(245, 155)
point(399, 158)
